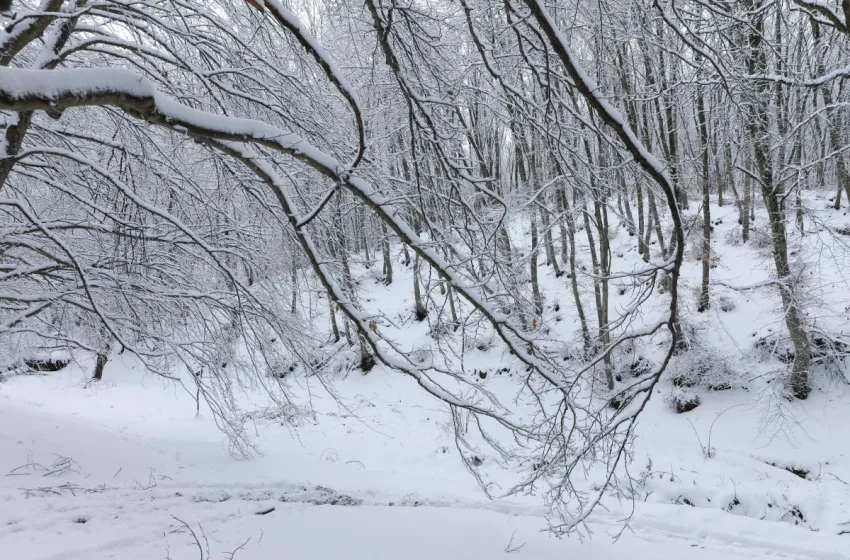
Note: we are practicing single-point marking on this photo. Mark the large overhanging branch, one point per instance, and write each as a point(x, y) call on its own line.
point(58, 90)
point(290, 21)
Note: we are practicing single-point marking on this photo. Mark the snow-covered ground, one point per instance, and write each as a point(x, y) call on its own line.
point(125, 469)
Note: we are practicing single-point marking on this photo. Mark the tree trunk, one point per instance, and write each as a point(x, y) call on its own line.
point(745, 209)
point(600, 283)
point(294, 280)
point(653, 211)
point(643, 248)
point(364, 241)
point(547, 239)
point(450, 296)
point(758, 125)
point(99, 364)
point(418, 306)
point(601, 213)
point(623, 198)
point(571, 231)
point(334, 325)
point(706, 210)
point(535, 285)
point(388, 261)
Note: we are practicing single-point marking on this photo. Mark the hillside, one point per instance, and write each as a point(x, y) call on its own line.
point(124, 469)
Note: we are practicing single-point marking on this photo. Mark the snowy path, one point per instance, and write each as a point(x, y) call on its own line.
point(131, 494)
point(148, 524)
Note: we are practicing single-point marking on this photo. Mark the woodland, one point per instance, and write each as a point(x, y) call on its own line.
point(573, 192)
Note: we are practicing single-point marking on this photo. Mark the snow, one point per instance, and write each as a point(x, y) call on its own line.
point(114, 469)
point(20, 84)
point(149, 465)
point(124, 468)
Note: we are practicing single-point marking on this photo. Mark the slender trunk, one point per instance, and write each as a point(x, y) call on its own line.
point(706, 210)
point(623, 219)
point(406, 255)
point(653, 220)
point(600, 281)
point(547, 240)
point(745, 209)
point(293, 277)
point(601, 213)
point(419, 306)
point(419, 309)
point(571, 231)
point(564, 242)
point(367, 361)
point(597, 274)
point(717, 174)
point(669, 118)
point(388, 261)
point(334, 325)
point(647, 234)
point(653, 212)
point(535, 285)
point(752, 207)
point(525, 179)
point(758, 125)
point(198, 392)
point(623, 195)
point(730, 179)
point(364, 241)
point(841, 172)
point(451, 297)
point(643, 249)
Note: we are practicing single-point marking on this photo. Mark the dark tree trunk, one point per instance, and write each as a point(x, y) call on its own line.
point(99, 364)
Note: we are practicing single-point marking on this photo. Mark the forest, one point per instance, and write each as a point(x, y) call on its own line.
point(593, 253)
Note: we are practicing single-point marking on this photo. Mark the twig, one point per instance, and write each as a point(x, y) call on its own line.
point(835, 477)
point(511, 547)
point(716, 418)
point(706, 452)
point(194, 535)
point(230, 555)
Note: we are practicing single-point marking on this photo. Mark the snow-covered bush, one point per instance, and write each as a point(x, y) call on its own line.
point(726, 304)
point(682, 400)
point(693, 251)
point(760, 239)
point(774, 345)
point(734, 237)
point(701, 367)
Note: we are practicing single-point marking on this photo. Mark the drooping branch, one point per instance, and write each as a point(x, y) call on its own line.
point(614, 119)
point(290, 21)
point(59, 90)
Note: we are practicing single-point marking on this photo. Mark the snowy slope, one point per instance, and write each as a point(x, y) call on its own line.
point(132, 483)
point(114, 470)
